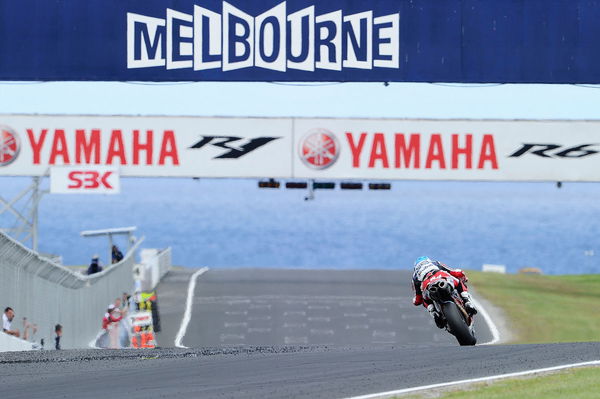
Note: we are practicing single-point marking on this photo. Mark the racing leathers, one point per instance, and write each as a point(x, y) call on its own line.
point(420, 299)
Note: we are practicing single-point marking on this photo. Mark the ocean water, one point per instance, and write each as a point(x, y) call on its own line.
point(231, 223)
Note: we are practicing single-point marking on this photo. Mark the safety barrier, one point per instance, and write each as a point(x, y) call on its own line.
point(155, 263)
point(49, 294)
point(164, 262)
point(9, 343)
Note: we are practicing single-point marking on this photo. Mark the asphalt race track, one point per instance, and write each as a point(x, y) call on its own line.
point(242, 373)
point(280, 334)
point(265, 307)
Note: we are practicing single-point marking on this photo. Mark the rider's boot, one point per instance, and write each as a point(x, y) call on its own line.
point(437, 318)
point(468, 302)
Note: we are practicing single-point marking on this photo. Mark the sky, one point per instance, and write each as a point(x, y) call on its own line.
point(373, 100)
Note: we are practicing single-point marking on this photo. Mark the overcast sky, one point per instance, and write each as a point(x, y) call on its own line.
point(398, 100)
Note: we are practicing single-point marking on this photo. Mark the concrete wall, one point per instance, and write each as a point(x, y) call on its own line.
point(49, 294)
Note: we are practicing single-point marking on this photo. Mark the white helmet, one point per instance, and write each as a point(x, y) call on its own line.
point(424, 266)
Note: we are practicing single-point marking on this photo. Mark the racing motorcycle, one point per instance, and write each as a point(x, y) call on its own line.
point(441, 289)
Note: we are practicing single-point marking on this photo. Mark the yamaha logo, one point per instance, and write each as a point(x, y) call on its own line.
point(9, 145)
point(319, 149)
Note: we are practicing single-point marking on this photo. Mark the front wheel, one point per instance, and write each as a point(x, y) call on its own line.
point(458, 325)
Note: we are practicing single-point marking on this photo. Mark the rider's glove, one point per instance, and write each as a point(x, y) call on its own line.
point(459, 274)
point(418, 300)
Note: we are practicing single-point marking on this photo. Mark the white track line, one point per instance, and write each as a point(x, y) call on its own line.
point(492, 326)
point(475, 380)
point(188, 307)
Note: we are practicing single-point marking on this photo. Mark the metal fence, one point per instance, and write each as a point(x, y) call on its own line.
point(49, 294)
point(164, 262)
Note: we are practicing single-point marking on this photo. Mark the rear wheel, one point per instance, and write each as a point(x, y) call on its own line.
point(458, 325)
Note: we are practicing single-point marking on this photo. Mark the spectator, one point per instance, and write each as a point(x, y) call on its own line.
point(58, 332)
point(125, 301)
point(117, 313)
point(110, 323)
point(7, 318)
point(26, 327)
point(95, 266)
point(117, 255)
point(121, 309)
point(131, 303)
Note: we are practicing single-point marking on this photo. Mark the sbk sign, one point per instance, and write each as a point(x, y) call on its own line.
point(89, 180)
point(84, 180)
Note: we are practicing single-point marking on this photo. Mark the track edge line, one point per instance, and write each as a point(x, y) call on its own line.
point(488, 320)
point(187, 315)
point(382, 395)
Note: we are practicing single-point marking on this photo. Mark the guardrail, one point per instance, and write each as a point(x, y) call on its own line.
point(49, 294)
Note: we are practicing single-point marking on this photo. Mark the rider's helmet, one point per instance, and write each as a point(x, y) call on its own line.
point(424, 266)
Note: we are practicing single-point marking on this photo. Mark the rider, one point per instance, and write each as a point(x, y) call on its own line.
point(424, 268)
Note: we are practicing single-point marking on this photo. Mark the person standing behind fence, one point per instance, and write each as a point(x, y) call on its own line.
point(26, 327)
point(58, 332)
point(117, 255)
point(124, 327)
point(7, 318)
point(95, 266)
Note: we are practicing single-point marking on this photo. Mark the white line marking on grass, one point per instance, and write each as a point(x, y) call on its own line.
point(475, 380)
point(488, 320)
point(187, 315)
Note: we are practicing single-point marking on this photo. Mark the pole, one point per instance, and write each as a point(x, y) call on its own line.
point(110, 245)
point(34, 212)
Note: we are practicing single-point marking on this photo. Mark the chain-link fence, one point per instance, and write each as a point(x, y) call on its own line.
point(49, 294)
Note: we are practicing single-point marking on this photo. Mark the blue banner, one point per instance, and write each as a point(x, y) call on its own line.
point(470, 41)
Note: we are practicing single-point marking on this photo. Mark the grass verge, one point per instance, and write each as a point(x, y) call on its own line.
point(544, 309)
point(581, 383)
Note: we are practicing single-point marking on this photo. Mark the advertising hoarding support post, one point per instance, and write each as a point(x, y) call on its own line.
point(35, 201)
point(311, 191)
point(25, 228)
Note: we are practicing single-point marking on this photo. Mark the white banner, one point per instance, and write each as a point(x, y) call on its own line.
point(370, 149)
point(147, 146)
point(447, 149)
point(84, 180)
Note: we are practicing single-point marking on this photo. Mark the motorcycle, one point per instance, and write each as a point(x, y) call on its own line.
point(441, 289)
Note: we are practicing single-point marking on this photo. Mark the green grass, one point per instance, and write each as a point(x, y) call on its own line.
point(542, 309)
point(577, 383)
